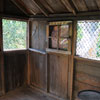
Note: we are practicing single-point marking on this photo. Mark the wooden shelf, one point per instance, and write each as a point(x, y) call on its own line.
point(37, 51)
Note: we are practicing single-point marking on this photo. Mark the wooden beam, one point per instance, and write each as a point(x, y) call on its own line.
point(41, 7)
point(69, 16)
point(1, 60)
point(14, 17)
point(69, 6)
point(28, 53)
point(20, 6)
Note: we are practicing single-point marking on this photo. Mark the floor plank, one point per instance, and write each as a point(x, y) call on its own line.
point(25, 94)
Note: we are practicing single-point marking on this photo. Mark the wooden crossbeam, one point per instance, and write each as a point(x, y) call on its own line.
point(41, 7)
point(69, 6)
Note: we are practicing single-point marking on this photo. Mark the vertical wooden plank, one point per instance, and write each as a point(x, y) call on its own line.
point(71, 60)
point(58, 67)
point(28, 54)
point(1, 59)
point(47, 36)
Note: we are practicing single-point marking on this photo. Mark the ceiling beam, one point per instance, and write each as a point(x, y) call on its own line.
point(68, 4)
point(41, 7)
point(20, 6)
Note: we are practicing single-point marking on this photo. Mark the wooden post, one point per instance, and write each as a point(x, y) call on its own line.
point(1, 60)
point(71, 60)
point(29, 46)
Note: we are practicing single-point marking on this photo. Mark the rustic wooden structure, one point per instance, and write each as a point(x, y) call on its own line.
point(56, 75)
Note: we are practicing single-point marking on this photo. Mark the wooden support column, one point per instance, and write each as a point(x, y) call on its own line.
point(2, 85)
point(71, 62)
point(29, 46)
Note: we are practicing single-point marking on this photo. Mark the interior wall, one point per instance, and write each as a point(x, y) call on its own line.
point(15, 64)
point(58, 75)
point(48, 72)
point(86, 75)
point(37, 60)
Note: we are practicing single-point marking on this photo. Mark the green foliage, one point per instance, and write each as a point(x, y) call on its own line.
point(14, 34)
point(79, 33)
point(98, 43)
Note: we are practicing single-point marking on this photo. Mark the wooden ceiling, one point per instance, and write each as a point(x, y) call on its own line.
point(47, 7)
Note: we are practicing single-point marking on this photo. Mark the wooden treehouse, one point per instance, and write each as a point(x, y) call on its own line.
point(49, 49)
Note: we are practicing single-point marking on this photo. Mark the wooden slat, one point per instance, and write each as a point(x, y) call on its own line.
point(47, 6)
point(38, 35)
point(38, 70)
point(71, 60)
point(21, 6)
point(15, 70)
point(41, 7)
point(91, 4)
point(80, 5)
point(58, 66)
point(88, 68)
point(98, 3)
point(79, 86)
point(31, 7)
point(28, 55)
point(2, 82)
point(69, 6)
point(88, 79)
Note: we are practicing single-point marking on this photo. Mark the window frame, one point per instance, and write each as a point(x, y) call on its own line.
point(78, 56)
point(58, 50)
point(27, 34)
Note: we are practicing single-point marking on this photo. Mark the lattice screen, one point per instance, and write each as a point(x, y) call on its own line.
point(88, 39)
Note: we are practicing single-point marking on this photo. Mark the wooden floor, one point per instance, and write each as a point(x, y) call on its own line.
point(25, 94)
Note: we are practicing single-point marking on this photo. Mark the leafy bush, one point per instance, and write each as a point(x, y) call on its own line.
point(14, 34)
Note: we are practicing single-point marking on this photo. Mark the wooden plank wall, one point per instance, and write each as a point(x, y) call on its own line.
point(37, 60)
point(58, 65)
point(86, 76)
point(38, 70)
point(49, 72)
point(38, 36)
point(2, 90)
point(15, 63)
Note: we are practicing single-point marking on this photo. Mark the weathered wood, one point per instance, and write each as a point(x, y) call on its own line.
point(20, 6)
point(91, 4)
point(58, 75)
point(26, 93)
point(47, 6)
point(37, 51)
point(41, 7)
point(38, 35)
point(38, 70)
point(87, 75)
point(15, 69)
point(80, 5)
point(54, 51)
point(79, 86)
point(85, 59)
point(69, 6)
point(71, 60)
point(2, 82)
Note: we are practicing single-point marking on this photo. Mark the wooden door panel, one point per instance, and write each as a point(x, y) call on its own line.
point(58, 75)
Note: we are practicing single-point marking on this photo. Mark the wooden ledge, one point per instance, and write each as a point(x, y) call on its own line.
point(37, 51)
point(54, 51)
point(86, 59)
